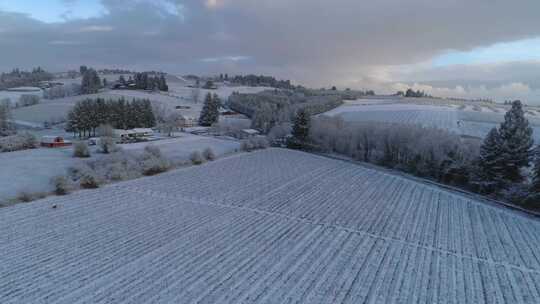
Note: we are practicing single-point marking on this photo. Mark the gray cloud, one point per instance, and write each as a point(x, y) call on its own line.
point(316, 42)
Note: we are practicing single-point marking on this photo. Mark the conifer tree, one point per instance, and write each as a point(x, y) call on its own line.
point(516, 143)
point(535, 188)
point(209, 113)
point(300, 132)
point(490, 163)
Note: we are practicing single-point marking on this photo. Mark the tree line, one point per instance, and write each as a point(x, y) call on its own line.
point(273, 107)
point(496, 166)
point(145, 81)
point(19, 78)
point(254, 81)
point(89, 114)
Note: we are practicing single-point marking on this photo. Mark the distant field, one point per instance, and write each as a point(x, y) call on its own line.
point(274, 226)
point(460, 120)
point(179, 95)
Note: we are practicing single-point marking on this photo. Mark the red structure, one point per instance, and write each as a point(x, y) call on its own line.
point(54, 142)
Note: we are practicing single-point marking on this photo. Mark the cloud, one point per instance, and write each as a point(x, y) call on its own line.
point(95, 28)
point(225, 58)
point(314, 42)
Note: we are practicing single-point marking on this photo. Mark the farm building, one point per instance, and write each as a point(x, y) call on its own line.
point(54, 142)
point(133, 134)
point(247, 133)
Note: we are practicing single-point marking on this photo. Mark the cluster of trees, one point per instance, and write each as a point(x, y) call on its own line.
point(17, 142)
point(411, 93)
point(90, 83)
point(266, 81)
point(270, 108)
point(62, 91)
point(89, 114)
point(114, 71)
point(506, 152)
point(210, 110)
point(425, 152)
point(19, 78)
point(497, 167)
point(145, 81)
point(27, 100)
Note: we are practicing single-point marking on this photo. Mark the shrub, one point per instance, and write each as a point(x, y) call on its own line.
point(153, 162)
point(196, 158)
point(18, 142)
point(209, 154)
point(116, 167)
point(61, 185)
point(153, 150)
point(260, 142)
point(89, 181)
point(80, 149)
point(107, 145)
point(246, 145)
point(254, 143)
point(26, 197)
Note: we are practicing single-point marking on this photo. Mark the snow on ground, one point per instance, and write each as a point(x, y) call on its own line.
point(14, 96)
point(32, 170)
point(464, 122)
point(274, 226)
point(180, 149)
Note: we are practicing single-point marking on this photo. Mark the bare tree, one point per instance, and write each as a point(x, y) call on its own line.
point(195, 95)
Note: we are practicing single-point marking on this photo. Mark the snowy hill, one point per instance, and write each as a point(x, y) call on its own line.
point(274, 226)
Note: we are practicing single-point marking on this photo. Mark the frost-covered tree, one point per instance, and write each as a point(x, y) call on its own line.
point(210, 111)
point(195, 95)
point(90, 83)
point(28, 100)
point(516, 143)
point(490, 163)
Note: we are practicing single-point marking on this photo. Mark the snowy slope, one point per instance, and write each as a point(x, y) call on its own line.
point(450, 118)
point(274, 226)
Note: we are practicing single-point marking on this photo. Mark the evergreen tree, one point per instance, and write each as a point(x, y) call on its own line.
point(490, 163)
point(536, 174)
point(210, 112)
point(516, 143)
point(300, 132)
point(163, 84)
point(533, 198)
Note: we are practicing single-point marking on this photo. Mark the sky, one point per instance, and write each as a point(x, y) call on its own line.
point(449, 48)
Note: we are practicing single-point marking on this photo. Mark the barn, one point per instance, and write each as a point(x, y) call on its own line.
point(54, 142)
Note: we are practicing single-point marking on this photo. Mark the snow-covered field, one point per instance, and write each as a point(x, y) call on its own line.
point(274, 226)
point(465, 121)
point(14, 96)
point(31, 170)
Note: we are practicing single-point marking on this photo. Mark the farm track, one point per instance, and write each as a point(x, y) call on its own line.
point(274, 226)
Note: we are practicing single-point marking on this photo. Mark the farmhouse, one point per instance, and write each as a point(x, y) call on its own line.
point(54, 142)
